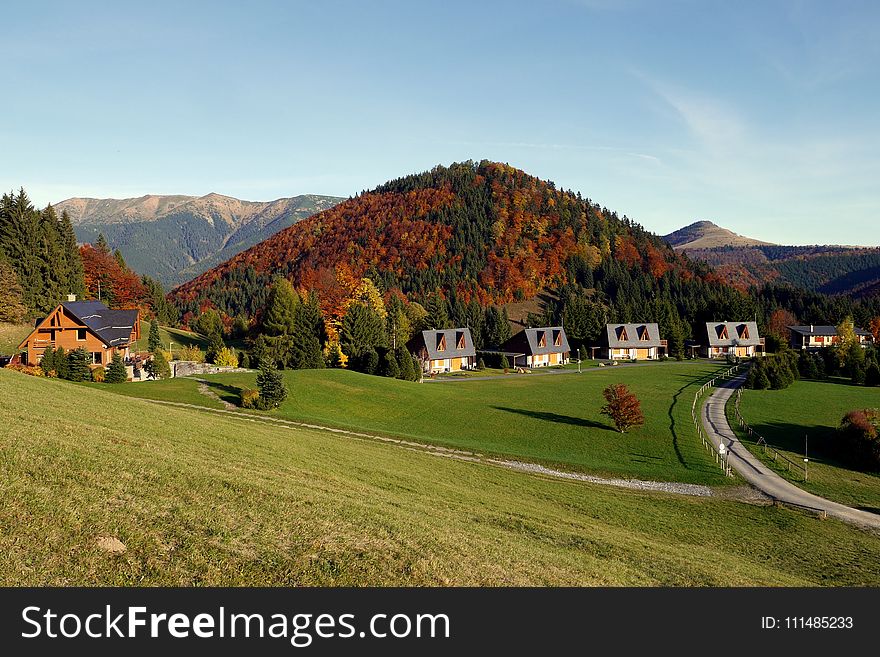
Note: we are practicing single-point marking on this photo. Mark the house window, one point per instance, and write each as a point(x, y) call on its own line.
point(744, 332)
point(623, 336)
point(460, 341)
point(722, 334)
point(441, 343)
point(557, 338)
point(644, 334)
point(542, 341)
point(97, 358)
point(80, 335)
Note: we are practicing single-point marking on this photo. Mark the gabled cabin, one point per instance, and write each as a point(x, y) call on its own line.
point(538, 347)
point(90, 324)
point(639, 341)
point(732, 339)
point(446, 350)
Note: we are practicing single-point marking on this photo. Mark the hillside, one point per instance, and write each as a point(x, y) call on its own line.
point(482, 233)
point(199, 499)
point(174, 238)
point(706, 235)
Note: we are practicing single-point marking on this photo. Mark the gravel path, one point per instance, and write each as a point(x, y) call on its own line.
point(694, 490)
point(210, 394)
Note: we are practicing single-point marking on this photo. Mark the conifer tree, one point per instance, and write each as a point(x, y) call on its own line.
point(154, 342)
point(438, 314)
point(361, 327)
point(158, 366)
point(12, 308)
point(78, 365)
point(61, 363)
point(116, 372)
point(390, 368)
point(270, 383)
point(47, 362)
point(101, 244)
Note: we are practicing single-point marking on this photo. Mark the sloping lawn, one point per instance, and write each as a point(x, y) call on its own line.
point(199, 499)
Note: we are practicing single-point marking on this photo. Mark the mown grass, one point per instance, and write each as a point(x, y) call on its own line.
point(552, 419)
point(200, 499)
point(812, 409)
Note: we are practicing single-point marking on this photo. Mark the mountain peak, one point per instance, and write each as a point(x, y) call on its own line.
point(707, 235)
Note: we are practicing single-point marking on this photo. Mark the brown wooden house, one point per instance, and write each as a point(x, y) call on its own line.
point(89, 324)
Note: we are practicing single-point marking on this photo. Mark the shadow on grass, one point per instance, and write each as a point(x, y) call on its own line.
point(554, 417)
point(225, 391)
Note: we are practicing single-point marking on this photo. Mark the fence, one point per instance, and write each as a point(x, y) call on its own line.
point(695, 416)
point(760, 440)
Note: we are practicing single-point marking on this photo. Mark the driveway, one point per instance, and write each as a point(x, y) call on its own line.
point(750, 467)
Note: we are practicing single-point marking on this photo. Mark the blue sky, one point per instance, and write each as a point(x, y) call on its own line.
point(760, 116)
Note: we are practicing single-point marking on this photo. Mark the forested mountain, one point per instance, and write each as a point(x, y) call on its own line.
point(173, 238)
point(476, 235)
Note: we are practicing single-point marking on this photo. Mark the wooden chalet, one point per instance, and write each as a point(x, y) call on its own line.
point(446, 350)
point(538, 347)
point(732, 339)
point(89, 324)
point(639, 341)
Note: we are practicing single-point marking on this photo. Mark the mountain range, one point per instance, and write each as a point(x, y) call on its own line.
point(174, 238)
point(746, 262)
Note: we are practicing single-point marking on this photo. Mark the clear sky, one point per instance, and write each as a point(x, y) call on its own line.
point(760, 116)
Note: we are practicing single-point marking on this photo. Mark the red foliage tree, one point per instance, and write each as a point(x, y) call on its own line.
point(623, 407)
point(779, 322)
point(118, 287)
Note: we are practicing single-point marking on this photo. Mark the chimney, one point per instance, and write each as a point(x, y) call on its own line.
point(811, 328)
point(71, 297)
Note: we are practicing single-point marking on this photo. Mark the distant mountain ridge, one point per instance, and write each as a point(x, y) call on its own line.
point(744, 261)
point(174, 238)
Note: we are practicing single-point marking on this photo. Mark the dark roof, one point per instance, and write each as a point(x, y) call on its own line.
point(527, 341)
point(715, 333)
point(430, 340)
point(114, 327)
point(629, 336)
point(822, 330)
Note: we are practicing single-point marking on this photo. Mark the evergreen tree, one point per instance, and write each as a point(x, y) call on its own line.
point(417, 368)
point(47, 362)
point(215, 348)
point(390, 368)
point(270, 383)
point(158, 366)
point(505, 364)
point(101, 244)
point(404, 362)
point(279, 320)
point(116, 372)
point(872, 375)
point(61, 364)
point(78, 365)
point(361, 327)
point(73, 261)
point(438, 313)
point(208, 323)
point(244, 361)
point(117, 254)
point(165, 313)
point(154, 342)
point(12, 308)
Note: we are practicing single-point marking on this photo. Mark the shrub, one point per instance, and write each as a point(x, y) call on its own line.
point(872, 375)
point(271, 385)
point(481, 364)
point(857, 439)
point(157, 367)
point(505, 364)
point(390, 368)
point(226, 357)
point(78, 365)
point(249, 398)
point(30, 370)
point(191, 353)
point(244, 361)
point(98, 374)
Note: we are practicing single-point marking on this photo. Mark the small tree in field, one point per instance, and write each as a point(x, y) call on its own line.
point(155, 340)
point(271, 386)
point(116, 372)
point(623, 407)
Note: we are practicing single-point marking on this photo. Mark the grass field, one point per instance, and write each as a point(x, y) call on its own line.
point(11, 336)
point(199, 499)
point(552, 419)
point(179, 337)
point(813, 409)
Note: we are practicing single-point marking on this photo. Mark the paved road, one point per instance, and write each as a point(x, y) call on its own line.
point(759, 475)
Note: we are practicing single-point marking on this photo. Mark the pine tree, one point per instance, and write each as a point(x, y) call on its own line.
point(270, 383)
point(116, 372)
point(154, 342)
point(117, 254)
point(78, 365)
point(279, 320)
point(61, 364)
point(390, 368)
point(404, 362)
point(215, 348)
point(74, 264)
point(160, 367)
point(438, 314)
point(12, 308)
point(101, 244)
point(47, 362)
point(505, 364)
point(417, 368)
point(361, 327)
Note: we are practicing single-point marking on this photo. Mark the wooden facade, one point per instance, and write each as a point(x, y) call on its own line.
point(65, 328)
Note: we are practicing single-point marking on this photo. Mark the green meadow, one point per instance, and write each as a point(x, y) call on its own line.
point(813, 410)
point(196, 498)
point(552, 419)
